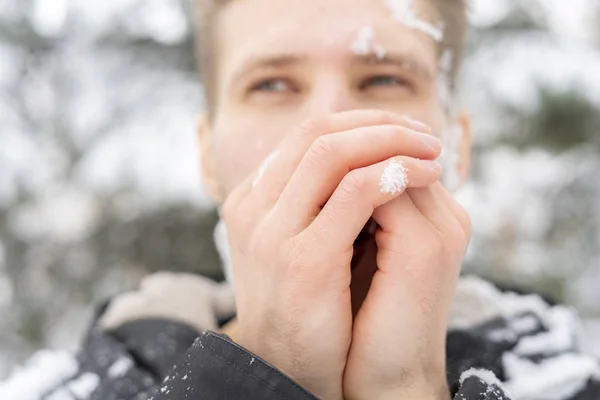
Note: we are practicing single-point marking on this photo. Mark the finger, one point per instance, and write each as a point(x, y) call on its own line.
point(363, 190)
point(351, 119)
point(447, 240)
point(414, 224)
point(414, 272)
point(431, 202)
point(417, 253)
point(332, 156)
point(270, 178)
point(412, 278)
point(322, 125)
point(460, 213)
point(402, 232)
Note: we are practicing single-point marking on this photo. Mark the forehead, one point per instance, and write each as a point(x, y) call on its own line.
point(321, 29)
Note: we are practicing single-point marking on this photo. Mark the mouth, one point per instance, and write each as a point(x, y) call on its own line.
point(360, 244)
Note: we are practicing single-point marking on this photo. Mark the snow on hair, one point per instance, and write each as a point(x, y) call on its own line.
point(404, 11)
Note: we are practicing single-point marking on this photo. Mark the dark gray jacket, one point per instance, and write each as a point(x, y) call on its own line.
point(500, 344)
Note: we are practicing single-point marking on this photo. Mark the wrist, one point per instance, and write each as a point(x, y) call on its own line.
point(428, 391)
point(433, 392)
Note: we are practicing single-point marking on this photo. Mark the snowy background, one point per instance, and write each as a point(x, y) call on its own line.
point(99, 181)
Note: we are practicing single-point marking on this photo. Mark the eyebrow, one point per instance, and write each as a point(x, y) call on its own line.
point(273, 61)
point(285, 60)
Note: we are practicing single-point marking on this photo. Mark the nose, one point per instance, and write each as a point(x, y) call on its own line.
point(330, 94)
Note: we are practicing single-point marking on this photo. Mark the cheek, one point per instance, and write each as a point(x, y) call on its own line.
point(239, 152)
point(234, 161)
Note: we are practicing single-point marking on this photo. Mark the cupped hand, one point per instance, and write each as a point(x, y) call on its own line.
point(399, 334)
point(292, 225)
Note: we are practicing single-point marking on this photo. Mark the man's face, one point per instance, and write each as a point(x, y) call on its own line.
point(281, 62)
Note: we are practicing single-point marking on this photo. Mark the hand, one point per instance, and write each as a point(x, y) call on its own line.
point(186, 298)
point(399, 339)
point(291, 232)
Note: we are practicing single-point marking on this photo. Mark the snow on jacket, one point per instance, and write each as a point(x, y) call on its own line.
point(500, 345)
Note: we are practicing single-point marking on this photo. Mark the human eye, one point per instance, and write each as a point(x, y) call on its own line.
point(272, 85)
point(384, 81)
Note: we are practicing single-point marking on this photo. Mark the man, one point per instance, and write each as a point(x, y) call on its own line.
point(344, 247)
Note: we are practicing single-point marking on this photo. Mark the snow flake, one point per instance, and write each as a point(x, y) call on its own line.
point(364, 42)
point(560, 336)
point(405, 13)
point(42, 373)
point(61, 394)
point(555, 378)
point(84, 386)
point(485, 375)
point(119, 367)
point(394, 178)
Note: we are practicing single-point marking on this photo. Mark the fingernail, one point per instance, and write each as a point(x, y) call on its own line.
point(432, 141)
point(418, 125)
point(432, 165)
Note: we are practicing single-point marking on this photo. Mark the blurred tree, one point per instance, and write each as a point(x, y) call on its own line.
point(98, 170)
point(537, 122)
point(74, 98)
point(566, 119)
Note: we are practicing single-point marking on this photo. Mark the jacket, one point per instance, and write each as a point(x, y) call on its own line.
point(500, 345)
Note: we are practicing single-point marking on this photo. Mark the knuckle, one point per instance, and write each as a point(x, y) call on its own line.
point(312, 126)
point(354, 184)
point(382, 116)
point(394, 131)
point(398, 130)
point(323, 148)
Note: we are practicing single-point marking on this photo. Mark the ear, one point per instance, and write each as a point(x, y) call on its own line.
point(464, 150)
point(208, 166)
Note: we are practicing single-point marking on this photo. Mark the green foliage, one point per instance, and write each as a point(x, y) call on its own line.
point(565, 120)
